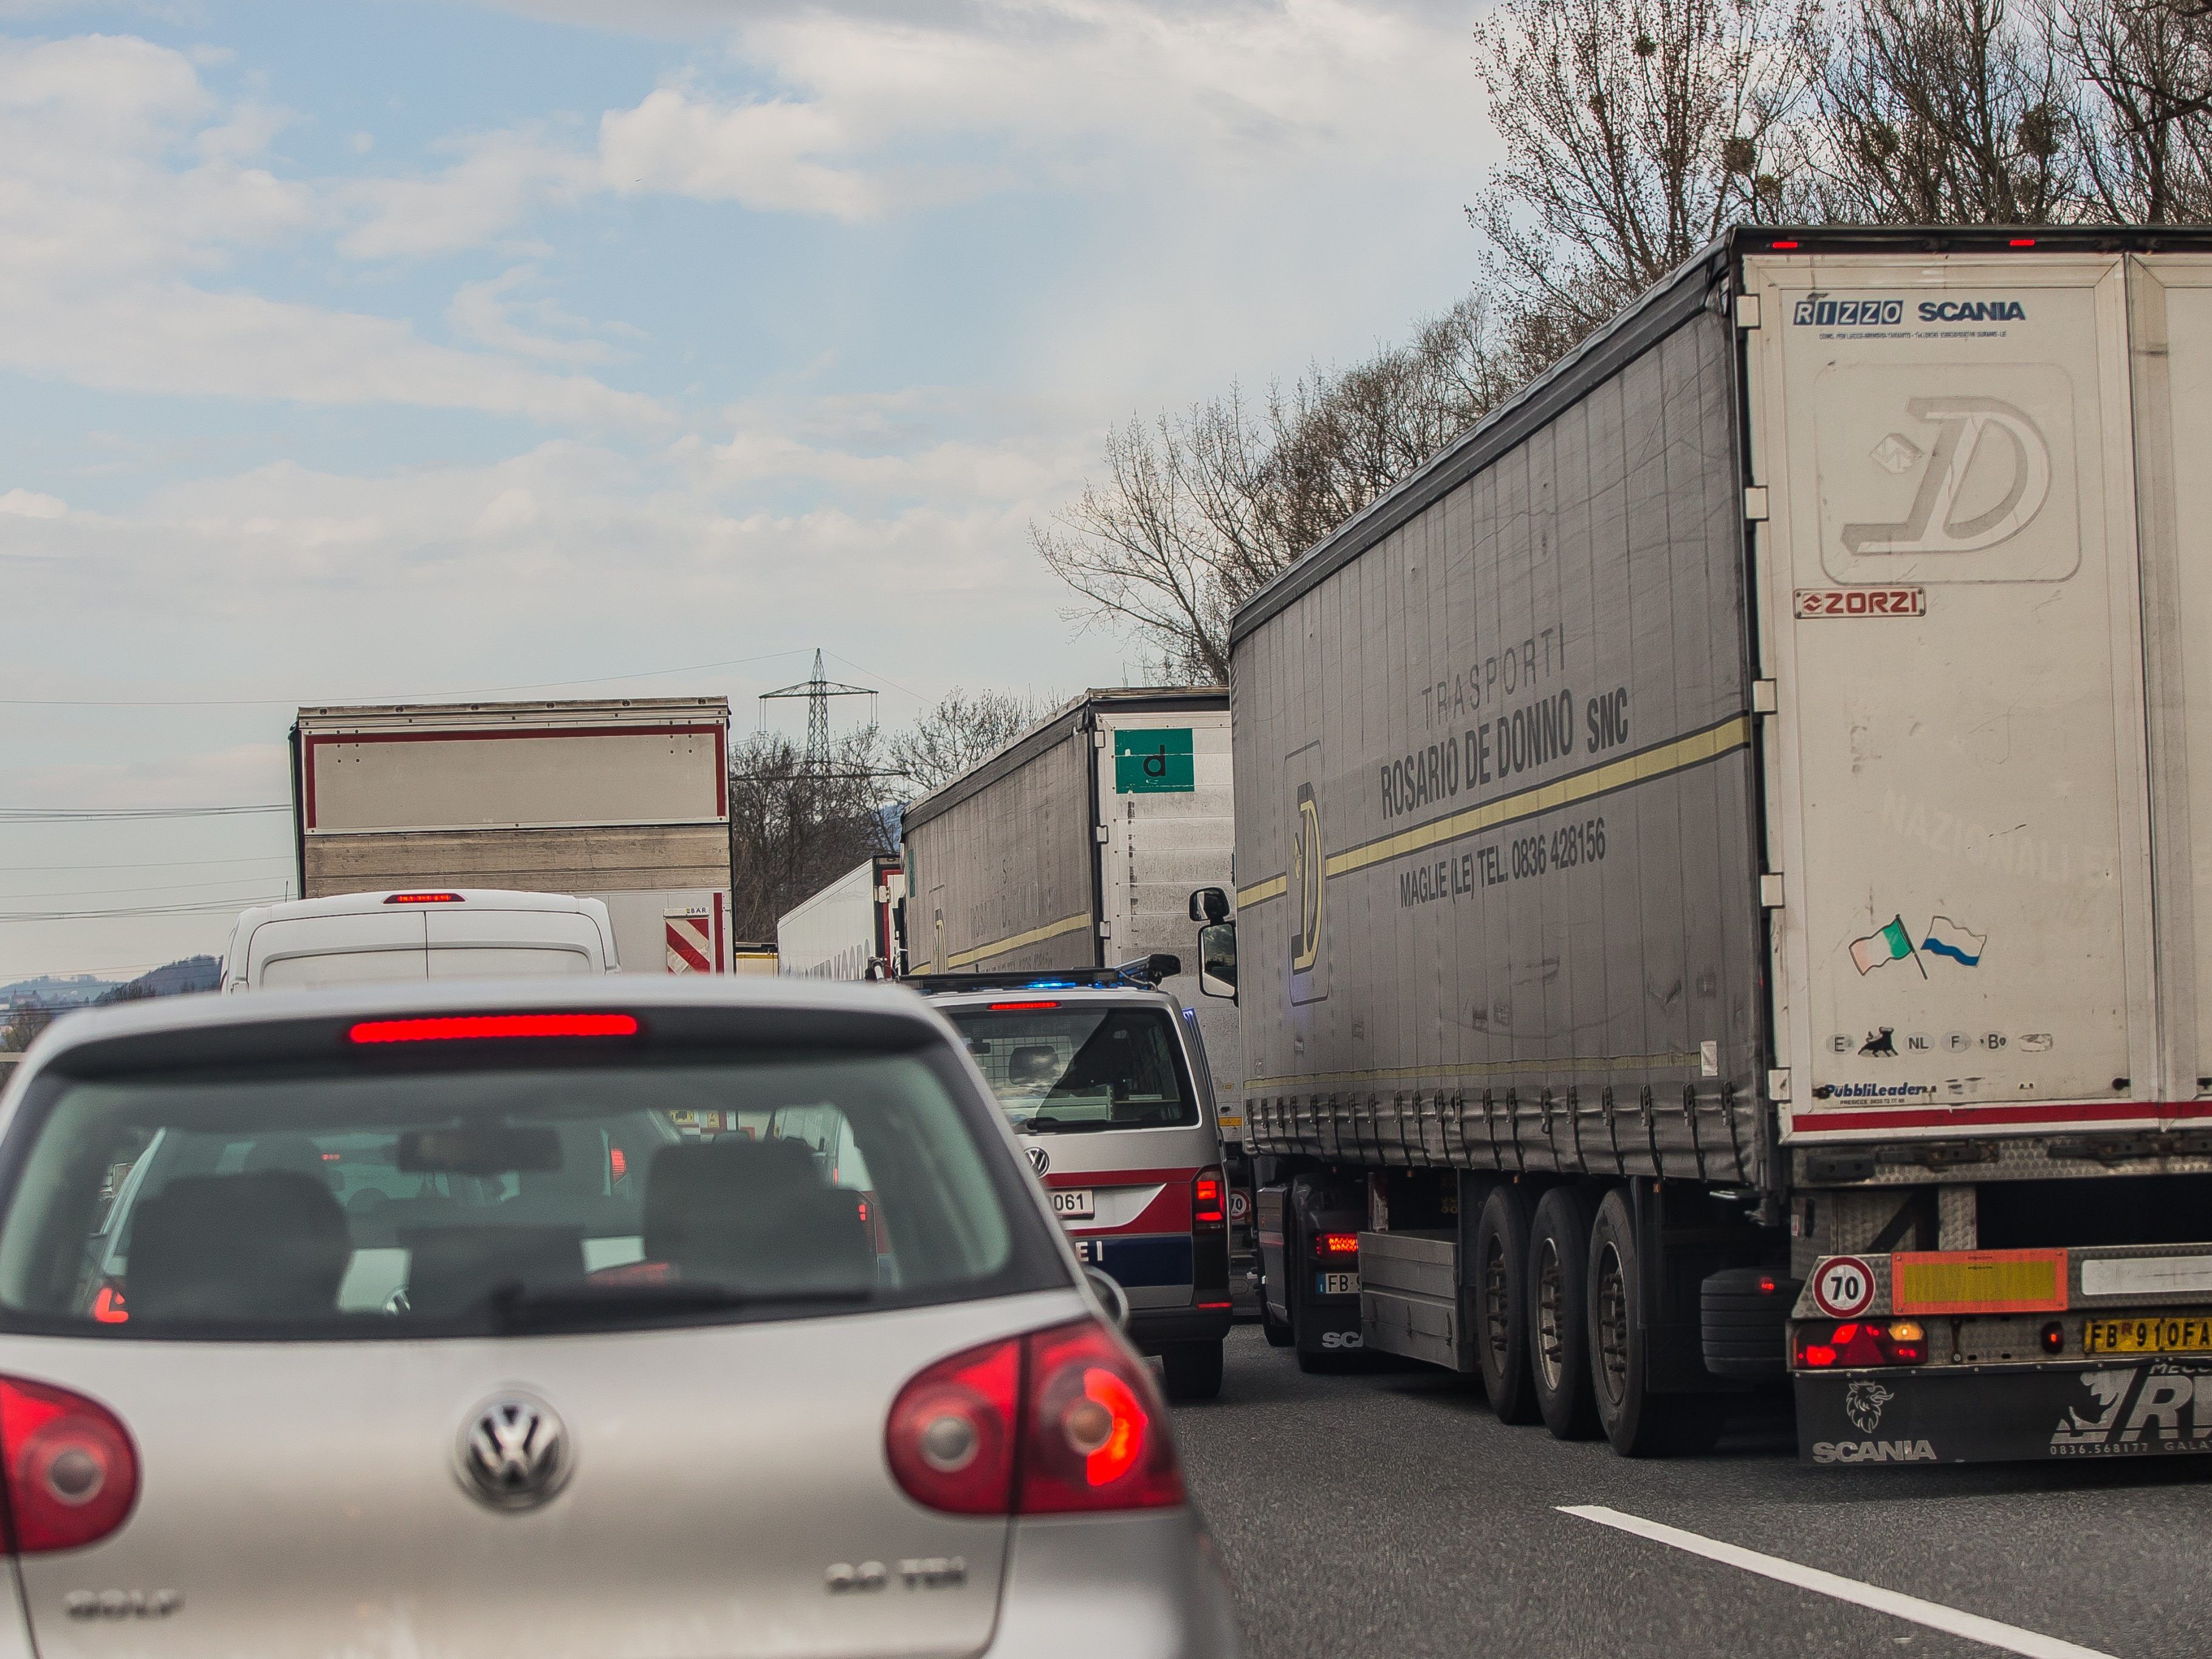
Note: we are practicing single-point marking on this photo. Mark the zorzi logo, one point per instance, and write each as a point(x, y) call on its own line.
point(1817, 310)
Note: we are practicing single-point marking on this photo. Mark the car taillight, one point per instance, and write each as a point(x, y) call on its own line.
point(1209, 1202)
point(617, 1164)
point(951, 1437)
point(1860, 1343)
point(1070, 1405)
point(108, 1306)
point(72, 1473)
point(1328, 1244)
point(424, 898)
point(1094, 1434)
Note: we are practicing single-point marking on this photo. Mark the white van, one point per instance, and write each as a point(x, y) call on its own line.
point(464, 933)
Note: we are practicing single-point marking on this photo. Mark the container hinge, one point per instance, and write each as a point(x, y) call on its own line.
point(1099, 831)
point(1746, 311)
point(1755, 503)
point(1770, 890)
point(1766, 697)
point(1778, 1085)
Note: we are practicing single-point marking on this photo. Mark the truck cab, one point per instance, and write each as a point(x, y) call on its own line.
point(1103, 1080)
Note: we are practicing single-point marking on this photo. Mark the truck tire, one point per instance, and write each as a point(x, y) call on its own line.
point(1745, 1317)
point(1559, 1312)
point(1498, 1282)
point(1637, 1422)
point(1192, 1370)
point(1277, 1331)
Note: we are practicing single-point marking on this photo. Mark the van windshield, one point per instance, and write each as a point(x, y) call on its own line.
point(1064, 1069)
point(431, 1202)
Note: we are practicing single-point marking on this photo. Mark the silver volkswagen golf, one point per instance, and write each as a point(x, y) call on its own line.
point(635, 1317)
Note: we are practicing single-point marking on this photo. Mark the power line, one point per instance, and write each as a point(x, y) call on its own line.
point(109, 814)
point(200, 908)
point(412, 696)
point(146, 864)
point(117, 893)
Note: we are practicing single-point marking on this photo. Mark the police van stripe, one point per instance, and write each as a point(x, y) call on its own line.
point(1660, 760)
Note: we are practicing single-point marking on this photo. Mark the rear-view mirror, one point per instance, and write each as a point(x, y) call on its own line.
point(1217, 959)
point(489, 1149)
point(1209, 904)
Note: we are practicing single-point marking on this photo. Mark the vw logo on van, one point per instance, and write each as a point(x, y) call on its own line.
point(1039, 1159)
point(515, 1453)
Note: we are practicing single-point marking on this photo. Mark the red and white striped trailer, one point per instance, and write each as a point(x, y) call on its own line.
point(624, 800)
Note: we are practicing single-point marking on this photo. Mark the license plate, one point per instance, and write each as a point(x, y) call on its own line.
point(2179, 1334)
point(1072, 1203)
point(1336, 1285)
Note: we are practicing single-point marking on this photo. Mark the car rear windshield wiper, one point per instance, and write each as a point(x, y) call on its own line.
point(518, 1306)
point(1060, 1125)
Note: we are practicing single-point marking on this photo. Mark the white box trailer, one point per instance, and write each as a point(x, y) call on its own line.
point(623, 800)
point(1718, 850)
point(1078, 846)
point(852, 929)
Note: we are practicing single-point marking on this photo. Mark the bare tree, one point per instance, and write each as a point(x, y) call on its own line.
point(1197, 512)
point(1635, 132)
point(2146, 69)
point(794, 830)
point(957, 734)
point(1938, 112)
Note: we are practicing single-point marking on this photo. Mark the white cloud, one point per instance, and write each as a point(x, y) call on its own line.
point(29, 504)
point(487, 313)
point(880, 109)
point(120, 173)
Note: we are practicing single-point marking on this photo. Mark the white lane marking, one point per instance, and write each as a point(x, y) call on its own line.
point(1934, 1614)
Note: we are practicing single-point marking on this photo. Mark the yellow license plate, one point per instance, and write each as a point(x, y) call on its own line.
point(2179, 1334)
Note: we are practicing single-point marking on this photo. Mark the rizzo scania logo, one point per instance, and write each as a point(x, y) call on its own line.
point(1818, 310)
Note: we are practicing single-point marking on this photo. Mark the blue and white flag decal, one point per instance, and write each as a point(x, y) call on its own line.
point(1947, 939)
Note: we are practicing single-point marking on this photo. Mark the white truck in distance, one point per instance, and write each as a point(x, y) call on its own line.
point(1718, 858)
point(624, 801)
point(854, 928)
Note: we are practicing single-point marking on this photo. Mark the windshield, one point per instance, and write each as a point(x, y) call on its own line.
point(1065, 1068)
point(428, 1202)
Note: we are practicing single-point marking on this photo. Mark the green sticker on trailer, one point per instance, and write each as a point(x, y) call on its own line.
point(1153, 762)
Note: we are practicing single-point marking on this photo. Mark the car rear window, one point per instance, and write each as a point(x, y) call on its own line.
point(1070, 1068)
point(429, 1200)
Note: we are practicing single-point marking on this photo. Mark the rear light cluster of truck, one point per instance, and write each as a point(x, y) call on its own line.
point(71, 1472)
point(1335, 1246)
point(1857, 1344)
point(1056, 1422)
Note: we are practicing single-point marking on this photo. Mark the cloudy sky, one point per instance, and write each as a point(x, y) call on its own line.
point(360, 350)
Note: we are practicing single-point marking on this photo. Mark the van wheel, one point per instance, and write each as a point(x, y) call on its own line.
point(1277, 1331)
point(1497, 1283)
point(1559, 1312)
point(1193, 1370)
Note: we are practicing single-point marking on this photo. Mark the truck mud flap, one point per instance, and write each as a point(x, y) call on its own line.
point(2144, 1408)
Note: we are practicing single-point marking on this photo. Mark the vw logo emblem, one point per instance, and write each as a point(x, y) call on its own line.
point(1038, 1160)
point(515, 1453)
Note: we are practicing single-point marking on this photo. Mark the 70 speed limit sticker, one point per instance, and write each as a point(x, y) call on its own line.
point(1843, 1287)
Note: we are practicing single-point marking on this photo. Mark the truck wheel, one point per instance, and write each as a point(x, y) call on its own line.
point(1559, 1312)
point(1498, 1280)
point(1192, 1370)
point(1639, 1422)
point(1277, 1331)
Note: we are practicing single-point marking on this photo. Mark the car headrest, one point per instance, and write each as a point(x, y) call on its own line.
point(267, 1245)
point(754, 1215)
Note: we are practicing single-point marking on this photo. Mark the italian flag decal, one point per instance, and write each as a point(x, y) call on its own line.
point(1892, 944)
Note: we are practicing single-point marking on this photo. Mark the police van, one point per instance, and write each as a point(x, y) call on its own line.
point(1103, 1078)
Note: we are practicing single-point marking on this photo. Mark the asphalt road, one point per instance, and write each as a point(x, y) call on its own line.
point(1389, 1513)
